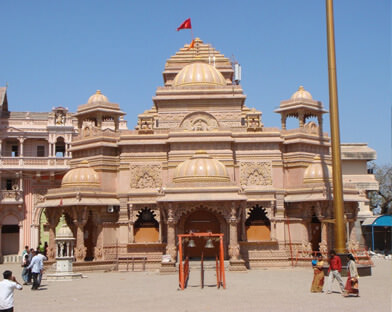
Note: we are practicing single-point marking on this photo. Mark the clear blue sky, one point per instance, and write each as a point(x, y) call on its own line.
point(57, 53)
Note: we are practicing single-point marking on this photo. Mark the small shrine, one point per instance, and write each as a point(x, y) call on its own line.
point(65, 242)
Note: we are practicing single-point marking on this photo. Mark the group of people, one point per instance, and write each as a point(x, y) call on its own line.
point(33, 266)
point(335, 267)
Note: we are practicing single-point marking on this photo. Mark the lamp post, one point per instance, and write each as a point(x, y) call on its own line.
point(337, 183)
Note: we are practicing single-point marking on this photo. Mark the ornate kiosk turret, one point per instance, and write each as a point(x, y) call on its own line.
point(64, 254)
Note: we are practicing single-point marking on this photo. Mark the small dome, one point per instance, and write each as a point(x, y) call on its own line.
point(318, 172)
point(201, 167)
point(199, 74)
point(301, 94)
point(82, 175)
point(98, 97)
point(64, 232)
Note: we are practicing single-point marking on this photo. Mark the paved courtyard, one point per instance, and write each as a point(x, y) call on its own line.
point(257, 290)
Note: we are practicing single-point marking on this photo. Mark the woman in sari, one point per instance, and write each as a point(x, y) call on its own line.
point(318, 275)
point(352, 278)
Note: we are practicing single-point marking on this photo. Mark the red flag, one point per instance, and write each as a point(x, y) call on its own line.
point(185, 25)
point(61, 202)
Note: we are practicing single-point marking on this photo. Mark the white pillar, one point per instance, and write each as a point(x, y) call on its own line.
point(34, 236)
point(21, 147)
point(21, 238)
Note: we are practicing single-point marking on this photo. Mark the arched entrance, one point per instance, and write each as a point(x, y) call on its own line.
point(198, 222)
point(10, 235)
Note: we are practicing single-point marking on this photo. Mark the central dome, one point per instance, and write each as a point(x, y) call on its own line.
point(201, 167)
point(82, 175)
point(199, 74)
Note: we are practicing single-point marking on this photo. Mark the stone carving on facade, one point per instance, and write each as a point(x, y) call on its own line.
point(172, 251)
point(199, 122)
point(323, 247)
point(311, 127)
point(256, 173)
point(234, 252)
point(353, 245)
point(306, 249)
point(80, 253)
point(146, 176)
point(51, 252)
point(10, 195)
point(98, 254)
point(60, 119)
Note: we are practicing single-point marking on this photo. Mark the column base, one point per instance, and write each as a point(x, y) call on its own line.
point(237, 265)
point(168, 268)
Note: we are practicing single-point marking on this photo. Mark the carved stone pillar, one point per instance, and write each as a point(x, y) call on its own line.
point(236, 263)
point(301, 118)
point(123, 222)
point(98, 250)
point(80, 220)
point(283, 121)
point(53, 216)
point(234, 248)
point(171, 235)
point(320, 123)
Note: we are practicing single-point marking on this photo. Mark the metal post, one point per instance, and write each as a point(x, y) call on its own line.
point(182, 284)
point(372, 238)
point(222, 263)
point(335, 134)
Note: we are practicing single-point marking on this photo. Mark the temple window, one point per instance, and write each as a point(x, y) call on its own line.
point(40, 151)
point(60, 147)
point(258, 226)
point(14, 151)
point(146, 227)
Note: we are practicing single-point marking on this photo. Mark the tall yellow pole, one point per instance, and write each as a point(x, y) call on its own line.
point(338, 202)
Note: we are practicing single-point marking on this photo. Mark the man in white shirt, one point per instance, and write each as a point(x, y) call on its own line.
point(36, 266)
point(42, 259)
point(7, 286)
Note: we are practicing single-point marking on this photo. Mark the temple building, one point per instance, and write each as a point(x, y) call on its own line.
point(199, 160)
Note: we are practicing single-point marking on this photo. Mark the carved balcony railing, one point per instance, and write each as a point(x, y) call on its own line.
point(38, 163)
point(11, 197)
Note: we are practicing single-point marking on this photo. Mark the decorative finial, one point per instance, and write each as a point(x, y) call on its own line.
point(301, 88)
point(98, 92)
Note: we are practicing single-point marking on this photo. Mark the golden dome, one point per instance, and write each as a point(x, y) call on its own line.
point(199, 74)
point(98, 97)
point(318, 172)
point(301, 94)
point(82, 175)
point(201, 167)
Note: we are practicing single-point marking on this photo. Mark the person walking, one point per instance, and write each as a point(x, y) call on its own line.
point(335, 267)
point(7, 287)
point(25, 271)
point(318, 275)
point(352, 277)
point(42, 258)
point(36, 269)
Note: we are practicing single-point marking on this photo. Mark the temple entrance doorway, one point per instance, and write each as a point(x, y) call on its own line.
point(10, 236)
point(200, 222)
point(315, 228)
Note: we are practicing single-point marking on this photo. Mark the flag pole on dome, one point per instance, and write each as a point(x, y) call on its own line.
point(188, 25)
